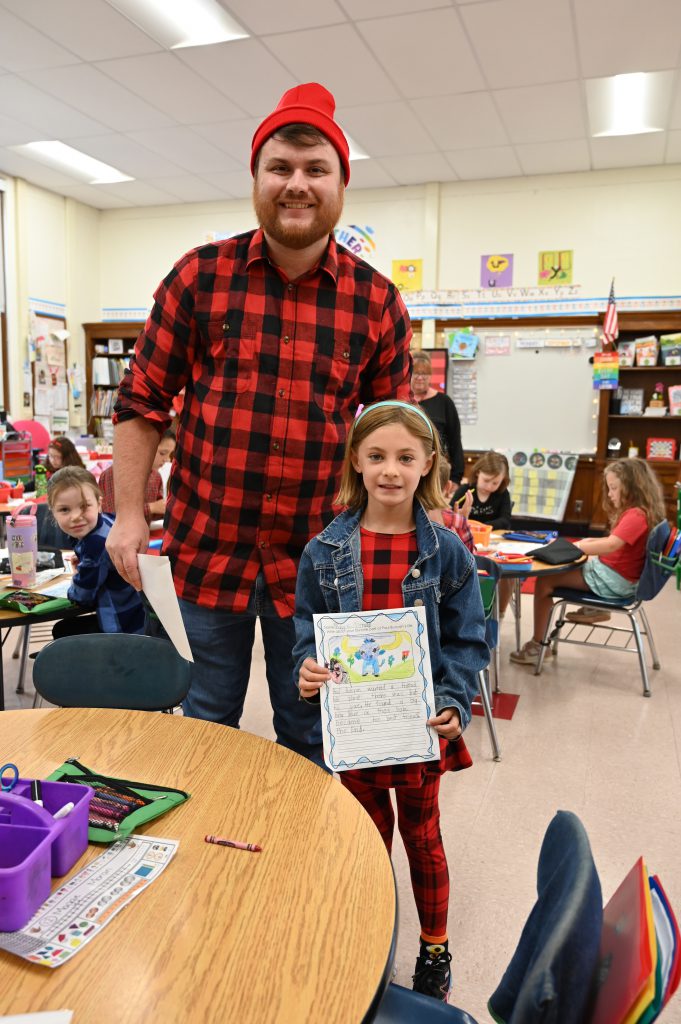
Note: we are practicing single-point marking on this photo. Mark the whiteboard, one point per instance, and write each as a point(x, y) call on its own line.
point(539, 397)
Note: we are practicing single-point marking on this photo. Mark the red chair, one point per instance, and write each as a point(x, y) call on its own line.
point(39, 433)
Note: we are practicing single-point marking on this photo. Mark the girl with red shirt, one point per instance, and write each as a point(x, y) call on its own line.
point(633, 502)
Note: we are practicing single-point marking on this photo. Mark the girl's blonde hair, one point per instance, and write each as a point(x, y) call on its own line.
point(71, 476)
point(353, 493)
point(493, 464)
point(640, 489)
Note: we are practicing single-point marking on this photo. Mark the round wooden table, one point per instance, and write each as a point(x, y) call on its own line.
point(303, 931)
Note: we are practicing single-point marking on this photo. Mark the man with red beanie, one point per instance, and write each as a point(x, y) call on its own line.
point(276, 335)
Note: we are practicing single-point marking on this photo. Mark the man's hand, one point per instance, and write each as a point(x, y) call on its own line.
point(311, 677)
point(447, 724)
point(128, 538)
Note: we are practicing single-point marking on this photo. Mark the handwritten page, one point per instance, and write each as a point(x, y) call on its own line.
point(380, 696)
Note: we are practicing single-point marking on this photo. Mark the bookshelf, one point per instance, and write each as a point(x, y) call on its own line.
point(108, 347)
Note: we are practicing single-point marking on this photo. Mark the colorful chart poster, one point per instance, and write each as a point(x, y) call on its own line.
point(496, 270)
point(555, 267)
point(606, 371)
point(541, 481)
point(408, 275)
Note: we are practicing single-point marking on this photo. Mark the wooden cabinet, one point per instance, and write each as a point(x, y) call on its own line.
point(108, 347)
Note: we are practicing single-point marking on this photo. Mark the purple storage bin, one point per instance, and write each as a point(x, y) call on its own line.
point(25, 861)
point(69, 834)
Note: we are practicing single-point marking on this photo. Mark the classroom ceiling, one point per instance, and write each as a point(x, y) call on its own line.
point(432, 90)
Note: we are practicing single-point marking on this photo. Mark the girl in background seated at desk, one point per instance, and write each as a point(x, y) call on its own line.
point(62, 452)
point(633, 502)
point(453, 519)
point(489, 482)
point(395, 557)
point(75, 502)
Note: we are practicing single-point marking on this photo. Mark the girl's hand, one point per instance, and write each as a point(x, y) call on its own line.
point(466, 504)
point(311, 677)
point(447, 724)
point(74, 563)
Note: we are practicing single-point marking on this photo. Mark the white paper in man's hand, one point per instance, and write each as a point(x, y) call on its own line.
point(158, 586)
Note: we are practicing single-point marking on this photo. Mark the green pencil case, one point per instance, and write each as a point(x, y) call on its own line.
point(33, 603)
point(151, 801)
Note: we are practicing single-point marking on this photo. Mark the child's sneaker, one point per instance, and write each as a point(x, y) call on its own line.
point(529, 653)
point(433, 974)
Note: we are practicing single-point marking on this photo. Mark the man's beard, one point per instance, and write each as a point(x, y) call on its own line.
point(297, 236)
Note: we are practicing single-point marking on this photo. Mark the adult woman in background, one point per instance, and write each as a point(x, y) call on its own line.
point(441, 410)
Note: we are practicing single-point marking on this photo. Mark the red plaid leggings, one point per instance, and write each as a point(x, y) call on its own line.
point(418, 820)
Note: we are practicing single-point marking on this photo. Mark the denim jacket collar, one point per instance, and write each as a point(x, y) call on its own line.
point(344, 530)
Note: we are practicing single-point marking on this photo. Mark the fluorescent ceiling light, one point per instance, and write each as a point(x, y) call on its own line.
point(629, 104)
point(58, 154)
point(178, 23)
point(356, 152)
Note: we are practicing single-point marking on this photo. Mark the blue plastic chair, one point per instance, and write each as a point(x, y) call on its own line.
point(654, 577)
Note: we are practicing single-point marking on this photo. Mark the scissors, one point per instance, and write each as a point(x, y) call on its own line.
point(7, 787)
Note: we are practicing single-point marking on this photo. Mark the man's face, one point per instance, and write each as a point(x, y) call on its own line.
point(298, 192)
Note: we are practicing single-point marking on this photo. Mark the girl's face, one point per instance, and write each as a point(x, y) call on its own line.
point(54, 455)
point(488, 483)
point(392, 462)
point(614, 486)
point(164, 452)
point(76, 511)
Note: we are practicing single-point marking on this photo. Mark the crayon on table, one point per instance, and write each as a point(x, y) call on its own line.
point(219, 841)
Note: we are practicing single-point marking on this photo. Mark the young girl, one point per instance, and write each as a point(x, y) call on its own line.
point(633, 501)
point(393, 556)
point(491, 502)
point(455, 520)
point(75, 502)
point(62, 452)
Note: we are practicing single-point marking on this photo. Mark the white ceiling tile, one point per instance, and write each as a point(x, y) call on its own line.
point(543, 47)
point(96, 196)
point(325, 55)
point(468, 121)
point(412, 170)
point(619, 36)
point(189, 188)
point(542, 113)
point(236, 183)
point(243, 70)
point(553, 157)
point(359, 9)
point(168, 84)
point(88, 90)
point(15, 133)
point(628, 151)
point(23, 47)
point(56, 120)
point(494, 162)
point(139, 193)
point(386, 129)
point(185, 149)
point(91, 29)
point(263, 16)
point(369, 174)
point(425, 54)
point(126, 155)
point(233, 137)
point(673, 155)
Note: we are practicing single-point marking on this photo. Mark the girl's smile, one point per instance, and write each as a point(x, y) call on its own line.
point(391, 462)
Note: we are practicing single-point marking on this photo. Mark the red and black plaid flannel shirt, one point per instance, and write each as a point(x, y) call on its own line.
point(273, 371)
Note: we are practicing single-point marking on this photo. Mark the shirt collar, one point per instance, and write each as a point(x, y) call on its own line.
point(257, 251)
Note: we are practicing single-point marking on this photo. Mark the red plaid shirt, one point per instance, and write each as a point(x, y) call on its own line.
point(152, 492)
point(273, 371)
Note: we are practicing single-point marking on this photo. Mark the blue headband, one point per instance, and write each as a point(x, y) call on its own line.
point(396, 404)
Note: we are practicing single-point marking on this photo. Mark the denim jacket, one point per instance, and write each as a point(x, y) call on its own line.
point(443, 579)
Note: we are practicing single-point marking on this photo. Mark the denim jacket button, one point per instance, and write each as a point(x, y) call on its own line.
point(335, 582)
point(415, 573)
point(418, 602)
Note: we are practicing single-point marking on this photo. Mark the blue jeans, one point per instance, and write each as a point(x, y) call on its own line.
point(222, 644)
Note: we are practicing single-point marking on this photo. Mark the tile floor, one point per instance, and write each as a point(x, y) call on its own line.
point(583, 738)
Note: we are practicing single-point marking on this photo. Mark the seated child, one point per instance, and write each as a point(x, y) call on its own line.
point(75, 502)
point(491, 503)
point(61, 451)
point(154, 498)
point(449, 517)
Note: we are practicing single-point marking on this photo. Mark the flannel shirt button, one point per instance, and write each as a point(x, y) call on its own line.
point(276, 446)
point(290, 287)
point(269, 497)
point(263, 544)
point(225, 327)
point(281, 392)
point(418, 603)
point(286, 339)
point(346, 355)
point(415, 573)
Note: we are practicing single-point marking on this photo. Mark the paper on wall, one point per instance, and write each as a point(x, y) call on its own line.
point(158, 586)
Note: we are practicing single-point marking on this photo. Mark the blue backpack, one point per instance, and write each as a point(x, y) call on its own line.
point(662, 558)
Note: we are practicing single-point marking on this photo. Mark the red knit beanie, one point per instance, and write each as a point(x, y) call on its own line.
point(305, 104)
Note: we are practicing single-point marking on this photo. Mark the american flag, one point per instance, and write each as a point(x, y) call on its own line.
point(610, 328)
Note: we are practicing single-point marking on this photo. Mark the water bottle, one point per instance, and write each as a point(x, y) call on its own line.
point(40, 481)
point(22, 544)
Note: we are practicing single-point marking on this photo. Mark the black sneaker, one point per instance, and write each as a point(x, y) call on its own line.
point(432, 974)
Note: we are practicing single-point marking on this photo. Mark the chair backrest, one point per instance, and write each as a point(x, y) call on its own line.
point(654, 576)
point(40, 435)
point(488, 586)
point(112, 670)
point(552, 973)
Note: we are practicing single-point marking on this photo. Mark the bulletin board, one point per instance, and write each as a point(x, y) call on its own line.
point(533, 397)
point(50, 397)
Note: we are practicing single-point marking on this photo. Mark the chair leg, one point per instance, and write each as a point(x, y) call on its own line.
point(648, 633)
point(484, 697)
point(24, 659)
point(547, 639)
point(20, 640)
point(496, 660)
point(641, 653)
point(37, 700)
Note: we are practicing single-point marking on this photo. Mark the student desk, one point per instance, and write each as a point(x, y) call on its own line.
point(302, 932)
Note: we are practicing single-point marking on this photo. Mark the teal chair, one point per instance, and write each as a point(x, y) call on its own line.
point(488, 589)
point(112, 670)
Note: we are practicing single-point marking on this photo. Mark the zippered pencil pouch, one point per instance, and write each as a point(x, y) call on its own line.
point(118, 806)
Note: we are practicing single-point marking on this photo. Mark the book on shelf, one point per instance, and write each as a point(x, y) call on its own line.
point(108, 371)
